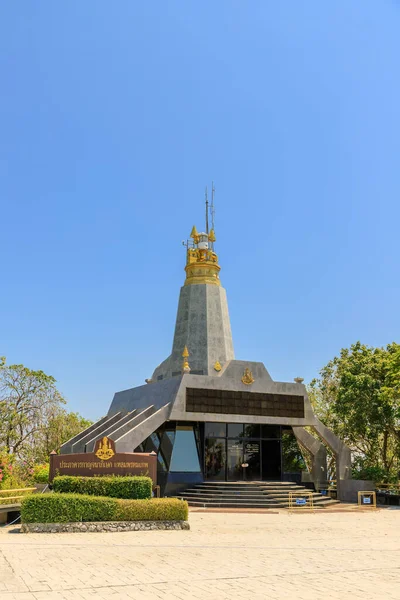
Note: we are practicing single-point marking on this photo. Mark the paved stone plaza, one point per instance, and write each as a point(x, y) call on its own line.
point(237, 556)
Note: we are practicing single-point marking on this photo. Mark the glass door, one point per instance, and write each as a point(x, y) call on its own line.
point(252, 458)
point(234, 460)
point(215, 459)
point(271, 460)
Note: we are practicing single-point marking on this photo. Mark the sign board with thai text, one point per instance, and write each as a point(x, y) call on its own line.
point(104, 461)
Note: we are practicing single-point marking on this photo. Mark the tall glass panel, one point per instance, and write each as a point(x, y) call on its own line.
point(271, 459)
point(215, 459)
point(252, 458)
point(167, 445)
point(185, 457)
point(235, 460)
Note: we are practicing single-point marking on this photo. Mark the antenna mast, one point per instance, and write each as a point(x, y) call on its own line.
point(206, 210)
point(212, 209)
point(212, 205)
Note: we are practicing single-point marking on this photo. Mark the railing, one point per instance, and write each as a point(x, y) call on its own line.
point(388, 487)
point(301, 500)
point(5, 500)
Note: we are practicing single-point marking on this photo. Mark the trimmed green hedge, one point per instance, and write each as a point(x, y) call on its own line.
point(72, 508)
point(137, 487)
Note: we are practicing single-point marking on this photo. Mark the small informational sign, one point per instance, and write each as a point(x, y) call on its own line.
point(301, 501)
point(252, 448)
point(366, 498)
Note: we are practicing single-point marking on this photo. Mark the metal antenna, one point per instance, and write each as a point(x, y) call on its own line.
point(212, 210)
point(212, 205)
point(206, 210)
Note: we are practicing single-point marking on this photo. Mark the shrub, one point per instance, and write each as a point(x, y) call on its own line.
point(64, 508)
point(13, 474)
point(72, 508)
point(157, 509)
point(114, 487)
point(41, 473)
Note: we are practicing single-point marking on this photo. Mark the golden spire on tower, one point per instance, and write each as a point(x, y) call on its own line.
point(201, 261)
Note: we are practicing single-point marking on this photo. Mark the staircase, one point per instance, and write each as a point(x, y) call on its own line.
point(258, 494)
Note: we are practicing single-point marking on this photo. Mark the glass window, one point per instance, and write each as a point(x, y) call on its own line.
point(271, 431)
point(161, 466)
point(185, 457)
point(152, 443)
point(235, 430)
point(215, 458)
point(251, 431)
point(215, 430)
point(167, 444)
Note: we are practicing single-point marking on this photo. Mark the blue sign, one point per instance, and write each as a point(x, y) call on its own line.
point(301, 501)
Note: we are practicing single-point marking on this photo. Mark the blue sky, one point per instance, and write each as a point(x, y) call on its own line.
point(115, 115)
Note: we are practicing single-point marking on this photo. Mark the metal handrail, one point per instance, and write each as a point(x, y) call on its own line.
point(12, 498)
point(387, 486)
point(17, 490)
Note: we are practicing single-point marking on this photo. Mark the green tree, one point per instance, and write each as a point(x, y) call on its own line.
point(59, 426)
point(358, 397)
point(26, 396)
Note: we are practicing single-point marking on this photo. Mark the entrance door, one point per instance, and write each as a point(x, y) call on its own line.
point(234, 471)
point(215, 459)
point(252, 458)
point(271, 459)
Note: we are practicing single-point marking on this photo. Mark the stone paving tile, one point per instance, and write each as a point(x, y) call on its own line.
point(229, 556)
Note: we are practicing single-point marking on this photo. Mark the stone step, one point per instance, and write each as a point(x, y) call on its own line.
point(271, 505)
point(224, 492)
point(238, 500)
point(255, 495)
point(228, 498)
point(317, 499)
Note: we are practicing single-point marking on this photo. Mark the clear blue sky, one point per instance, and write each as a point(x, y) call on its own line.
point(113, 118)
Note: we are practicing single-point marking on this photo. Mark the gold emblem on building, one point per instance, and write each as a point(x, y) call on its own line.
point(217, 366)
point(247, 378)
point(105, 451)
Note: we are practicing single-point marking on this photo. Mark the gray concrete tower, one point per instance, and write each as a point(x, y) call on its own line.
point(203, 339)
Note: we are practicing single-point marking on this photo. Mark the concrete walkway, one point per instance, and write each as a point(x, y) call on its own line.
point(225, 556)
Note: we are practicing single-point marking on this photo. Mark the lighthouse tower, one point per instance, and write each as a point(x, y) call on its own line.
point(202, 323)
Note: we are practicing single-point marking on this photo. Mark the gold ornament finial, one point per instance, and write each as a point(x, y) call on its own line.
point(202, 262)
point(194, 235)
point(185, 356)
point(217, 366)
point(247, 378)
